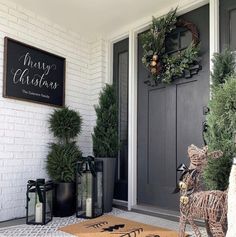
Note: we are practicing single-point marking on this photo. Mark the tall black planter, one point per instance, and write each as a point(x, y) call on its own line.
point(109, 167)
point(64, 199)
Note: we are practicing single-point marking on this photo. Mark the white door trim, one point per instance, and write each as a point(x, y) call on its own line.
point(132, 31)
point(214, 29)
point(132, 130)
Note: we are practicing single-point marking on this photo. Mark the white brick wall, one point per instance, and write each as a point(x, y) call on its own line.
point(98, 72)
point(24, 134)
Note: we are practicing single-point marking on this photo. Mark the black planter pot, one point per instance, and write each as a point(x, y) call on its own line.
point(64, 199)
point(109, 168)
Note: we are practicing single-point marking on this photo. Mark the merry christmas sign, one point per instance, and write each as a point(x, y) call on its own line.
point(32, 74)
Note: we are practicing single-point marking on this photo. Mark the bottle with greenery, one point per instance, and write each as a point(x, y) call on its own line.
point(105, 137)
point(221, 120)
point(65, 124)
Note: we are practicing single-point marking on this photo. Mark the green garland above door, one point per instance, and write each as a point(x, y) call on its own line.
point(165, 67)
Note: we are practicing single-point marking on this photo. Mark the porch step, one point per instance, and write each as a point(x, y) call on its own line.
point(161, 213)
point(157, 212)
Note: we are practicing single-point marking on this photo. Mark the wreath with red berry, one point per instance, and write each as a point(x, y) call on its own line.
point(163, 66)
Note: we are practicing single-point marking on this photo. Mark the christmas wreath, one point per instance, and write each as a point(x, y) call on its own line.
point(166, 67)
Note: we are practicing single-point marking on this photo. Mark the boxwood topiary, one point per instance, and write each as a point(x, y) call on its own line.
point(62, 160)
point(65, 124)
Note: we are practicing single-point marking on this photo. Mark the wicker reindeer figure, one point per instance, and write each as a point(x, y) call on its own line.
point(195, 204)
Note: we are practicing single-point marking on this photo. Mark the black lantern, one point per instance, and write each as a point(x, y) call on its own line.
point(89, 188)
point(39, 202)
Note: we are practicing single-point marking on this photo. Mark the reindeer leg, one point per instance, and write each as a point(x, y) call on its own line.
point(216, 229)
point(195, 228)
point(182, 225)
point(208, 229)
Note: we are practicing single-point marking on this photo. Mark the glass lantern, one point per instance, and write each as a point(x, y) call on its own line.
point(89, 187)
point(39, 202)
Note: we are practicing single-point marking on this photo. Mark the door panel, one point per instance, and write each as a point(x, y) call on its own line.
point(170, 119)
point(161, 104)
point(228, 24)
point(188, 126)
point(161, 153)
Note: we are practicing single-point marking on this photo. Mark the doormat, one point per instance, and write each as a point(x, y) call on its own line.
point(108, 226)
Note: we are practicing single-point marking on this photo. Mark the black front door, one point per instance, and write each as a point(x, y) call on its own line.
point(120, 79)
point(170, 118)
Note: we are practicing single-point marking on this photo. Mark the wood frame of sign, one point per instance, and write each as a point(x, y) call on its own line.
point(32, 74)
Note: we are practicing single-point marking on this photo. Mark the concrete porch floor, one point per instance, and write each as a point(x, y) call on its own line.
point(18, 227)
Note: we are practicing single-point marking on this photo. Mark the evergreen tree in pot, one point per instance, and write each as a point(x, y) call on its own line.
point(65, 124)
point(221, 120)
point(105, 140)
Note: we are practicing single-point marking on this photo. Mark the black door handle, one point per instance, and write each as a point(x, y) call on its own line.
point(206, 110)
point(204, 130)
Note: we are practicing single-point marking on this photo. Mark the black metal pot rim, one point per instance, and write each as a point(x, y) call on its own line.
point(64, 182)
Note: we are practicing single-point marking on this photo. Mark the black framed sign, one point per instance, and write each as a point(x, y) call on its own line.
point(32, 74)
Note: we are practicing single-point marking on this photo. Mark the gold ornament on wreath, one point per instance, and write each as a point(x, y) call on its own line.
point(163, 66)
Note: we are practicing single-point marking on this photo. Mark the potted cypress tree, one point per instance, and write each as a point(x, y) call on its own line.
point(221, 120)
point(221, 123)
point(65, 124)
point(105, 140)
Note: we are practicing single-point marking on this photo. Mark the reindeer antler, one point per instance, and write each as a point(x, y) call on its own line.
point(215, 154)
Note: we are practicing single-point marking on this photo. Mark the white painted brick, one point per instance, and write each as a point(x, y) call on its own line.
point(8, 31)
point(26, 24)
point(19, 210)
point(25, 141)
point(26, 11)
point(15, 176)
point(4, 184)
point(22, 127)
point(7, 126)
point(32, 162)
point(9, 204)
point(13, 148)
point(35, 22)
point(23, 155)
point(16, 27)
point(3, 21)
point(6, 214)
point(7, 140)
point(8, 4)
point(9, 192)
point(12, 133)
point(3, 8)
point(8, 16)
point(15, 120)
point(44, 20)
point(18, 14)
point(6, 155)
